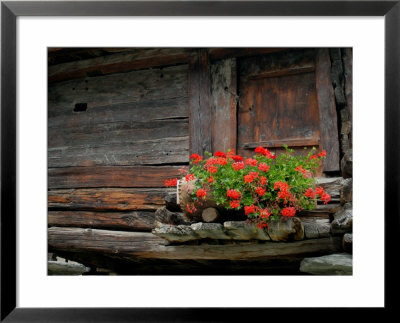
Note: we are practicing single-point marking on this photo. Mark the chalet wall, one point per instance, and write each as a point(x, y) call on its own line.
point(112, 141)
point(110, 160)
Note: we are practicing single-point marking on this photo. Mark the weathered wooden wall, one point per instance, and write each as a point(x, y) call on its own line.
point(117, 128)
point(121, 121)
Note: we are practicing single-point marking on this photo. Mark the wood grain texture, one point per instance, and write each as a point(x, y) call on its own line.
point(128, 221)
point(123, 62)
point(327, 111)
point(199, 103)
point(110, 176)
point(292, 142)
point(279, 108)
point(143, 85)
point(107, 199)
point(116, 133)
point(148, 246)
point(224, 105)
point(140, 111)
point(222, 53)
point(143, 152)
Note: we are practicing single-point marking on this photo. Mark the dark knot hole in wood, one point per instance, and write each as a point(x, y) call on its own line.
point(80, 107)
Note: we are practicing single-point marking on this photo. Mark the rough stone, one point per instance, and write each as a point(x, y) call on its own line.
point(210, 231)
point(163, 215)
point(310, 230)
point(171, 204)
point(335, 264)
point(347, 164)
point(347, 243)
point(175, 233)
point(66, 268)
point(346, 192)
point(286, 229)
point(241, 230)
point(343, 220)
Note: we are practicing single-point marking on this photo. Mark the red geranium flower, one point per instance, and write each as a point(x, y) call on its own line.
point(250, 209)
point(310, 193)
point(210, 179)
point(264, 213)
point(314, 157)
point(263, 180)
point(326, 198)
point(251, 162)
point(319, 191)
point(260, 150)
point(248, 178)
point(170, 182)
point(212, 169)
point(234, 204)
point(237, 158)
point(322, 153)
point(220, 154)
point(196, 158)
point(201, 193)
point(289, 211)
point(189, 177)
point(222, 161)
point(262, 225)
point(233, 194)
point(263, 167)
point(190, 208)
point(260, 191)
point(238, 166)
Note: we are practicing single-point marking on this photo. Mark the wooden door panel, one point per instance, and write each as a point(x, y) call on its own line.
point(278, 102)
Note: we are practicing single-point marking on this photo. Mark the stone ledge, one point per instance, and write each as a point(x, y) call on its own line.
point(290, 229)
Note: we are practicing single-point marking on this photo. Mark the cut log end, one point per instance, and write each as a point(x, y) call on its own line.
point(211, 214)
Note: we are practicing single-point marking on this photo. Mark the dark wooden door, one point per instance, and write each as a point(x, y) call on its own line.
point(286, 98)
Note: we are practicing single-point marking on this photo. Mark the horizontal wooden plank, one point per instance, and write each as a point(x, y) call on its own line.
point(116, 133)
point(146, 152)
point(140, 58)
point(221, 53)
point(110, 176)
point(128, 221)
point(108, 199)
point(144, 85)
point(148, 111)
point(291, 59)
point(291, 142)
point(148, 246)
point(283, 72)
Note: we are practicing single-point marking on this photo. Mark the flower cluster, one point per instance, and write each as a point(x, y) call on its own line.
point(267, 187)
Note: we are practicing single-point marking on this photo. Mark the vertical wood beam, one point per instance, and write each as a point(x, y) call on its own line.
point(224, 106)
point(327, 111)
point(199, 103)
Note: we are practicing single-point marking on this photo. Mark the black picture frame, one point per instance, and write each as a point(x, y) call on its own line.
point(10, 10)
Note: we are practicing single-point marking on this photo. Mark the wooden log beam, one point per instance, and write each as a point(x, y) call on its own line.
point(291, 142)
point(147, 246)
point(327, 111)
point(107, 199)
point(128, 221)
point(224, 105)
point(141, 152)
point(222, 53)
point(118, 63)
point(199, 103)
point(110, 176)
point(144, 85)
